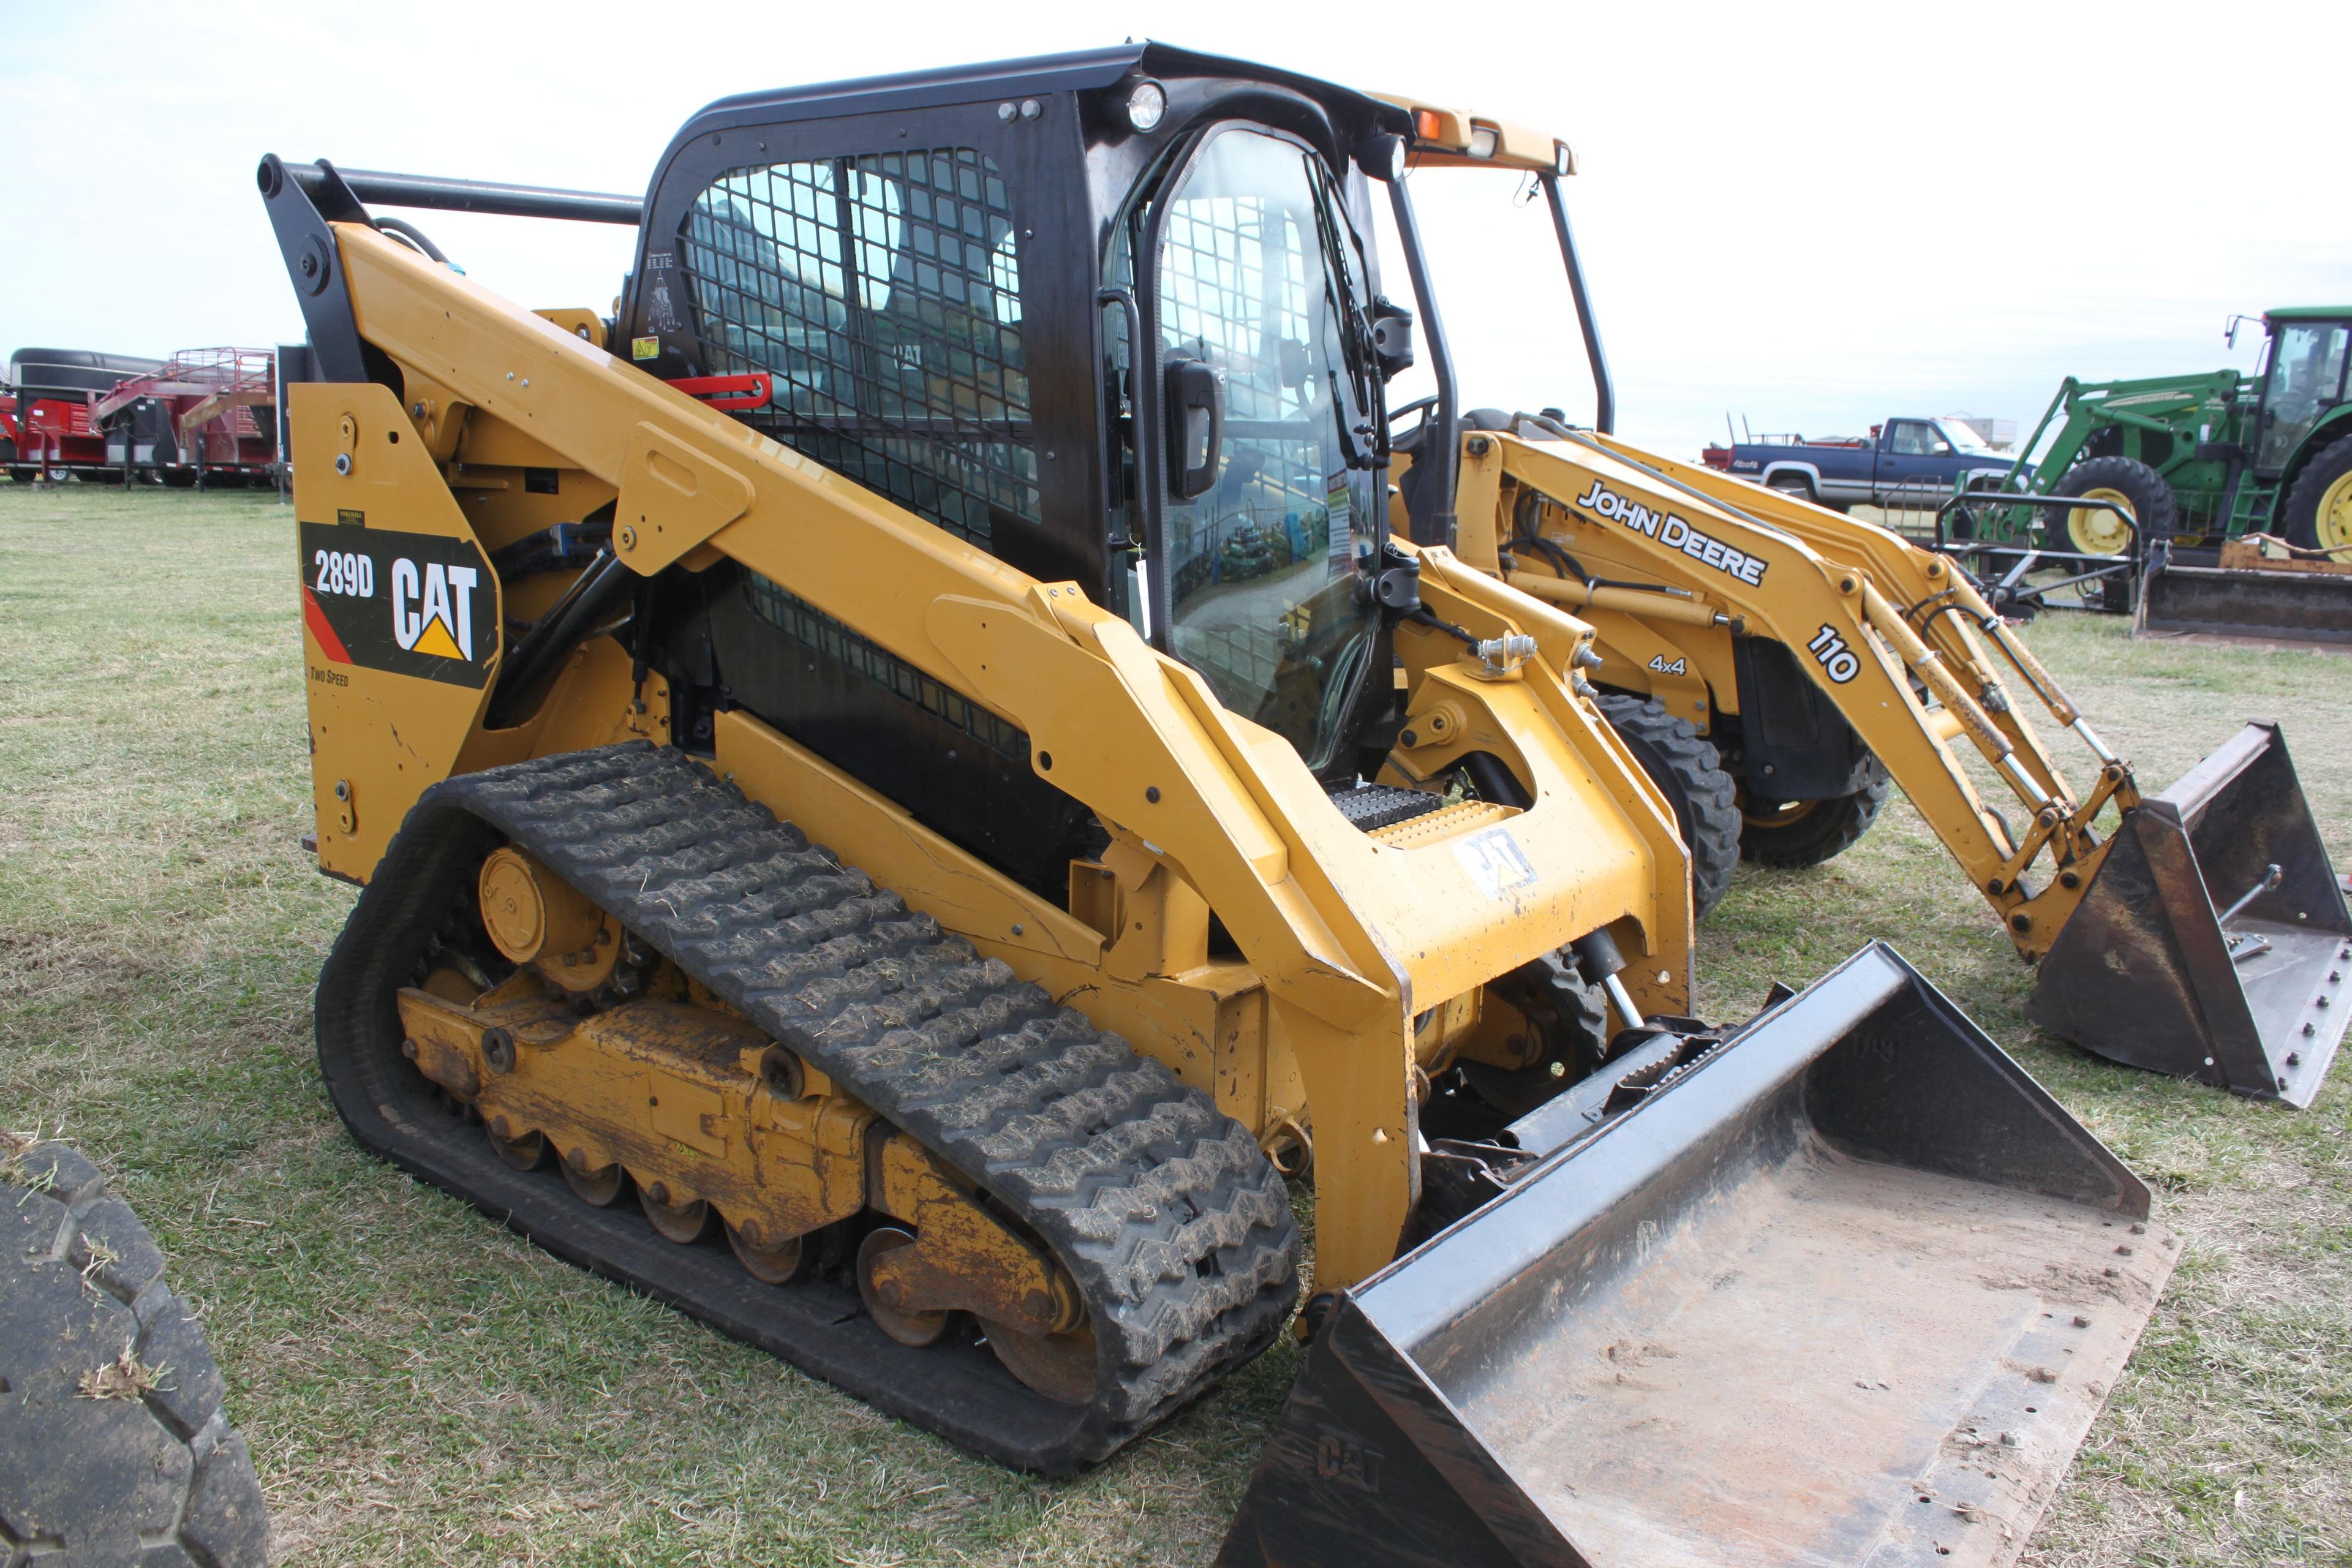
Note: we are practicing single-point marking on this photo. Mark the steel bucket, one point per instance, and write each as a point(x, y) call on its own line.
point(1849, 1290)
point(2214, 942)
point(2256, 604)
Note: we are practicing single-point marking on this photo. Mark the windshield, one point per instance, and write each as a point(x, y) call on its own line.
point(2306, 370)
point(1964, 440)
point(1258, 275)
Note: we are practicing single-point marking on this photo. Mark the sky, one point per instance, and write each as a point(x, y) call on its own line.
point(1807, 217)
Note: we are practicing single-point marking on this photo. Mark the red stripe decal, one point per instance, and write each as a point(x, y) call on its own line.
point(316, 619)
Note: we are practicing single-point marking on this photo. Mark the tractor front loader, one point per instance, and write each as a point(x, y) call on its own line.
point(1819, 657)
point(857, 768)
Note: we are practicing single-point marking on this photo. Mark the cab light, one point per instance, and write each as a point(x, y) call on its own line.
point(1147, 105)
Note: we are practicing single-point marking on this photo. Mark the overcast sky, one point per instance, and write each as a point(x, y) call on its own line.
point(1810, 215)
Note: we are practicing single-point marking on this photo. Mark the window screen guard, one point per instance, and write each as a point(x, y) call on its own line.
point(882, 295)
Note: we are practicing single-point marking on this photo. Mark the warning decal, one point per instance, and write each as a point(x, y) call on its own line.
point(1497, 863)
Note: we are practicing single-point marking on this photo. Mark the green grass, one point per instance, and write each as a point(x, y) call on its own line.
point(421, 1385)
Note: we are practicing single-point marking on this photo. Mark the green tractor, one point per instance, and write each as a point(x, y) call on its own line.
point(2192, 460)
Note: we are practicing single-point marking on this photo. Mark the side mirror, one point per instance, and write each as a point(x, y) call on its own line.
point(1391, 337)
point(1196, 426)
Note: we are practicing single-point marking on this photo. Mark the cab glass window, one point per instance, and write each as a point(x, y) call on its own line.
point(883, 294)
point(1256, 274)
point(2306, 376)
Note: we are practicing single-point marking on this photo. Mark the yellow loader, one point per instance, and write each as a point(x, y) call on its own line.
point(1759, 649)
point(856, 765)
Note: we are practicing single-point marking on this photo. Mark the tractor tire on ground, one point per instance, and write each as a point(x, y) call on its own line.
point(1807, 832)
point(1688, 771)
point(114, 1448)
point(2318, 511)
point(2155, 510)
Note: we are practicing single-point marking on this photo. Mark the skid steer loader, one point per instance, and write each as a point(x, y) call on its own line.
point(1753, 643)
point(863, 753)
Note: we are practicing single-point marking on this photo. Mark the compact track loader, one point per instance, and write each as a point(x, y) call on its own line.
point(863, 754)
point(1757, 646)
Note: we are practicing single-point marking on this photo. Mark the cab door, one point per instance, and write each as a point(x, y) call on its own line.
point(1914, 468)
point(1266, 478)
point(2305, 380)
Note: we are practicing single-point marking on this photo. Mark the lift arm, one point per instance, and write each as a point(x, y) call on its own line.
point(1897, 637)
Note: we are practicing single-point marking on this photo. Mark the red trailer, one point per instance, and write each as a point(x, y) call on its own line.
point(48, 427)
point(201, 418)
point(206, 416)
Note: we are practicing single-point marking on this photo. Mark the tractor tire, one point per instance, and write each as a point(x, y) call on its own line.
point(1807, 832)
point(114, 1448)
point(2318, 511)
point(1684, 766)
point(2155, 510)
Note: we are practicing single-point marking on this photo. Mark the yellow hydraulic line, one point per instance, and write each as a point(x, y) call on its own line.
point(2045, 686)
point(1929, 664)
point(1627, 601)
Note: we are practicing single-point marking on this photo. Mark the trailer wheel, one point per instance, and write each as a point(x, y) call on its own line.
point(2140, 489)
point(1688, 771)
point(1807, 832)
point(2318, 511)
point(114, 1449)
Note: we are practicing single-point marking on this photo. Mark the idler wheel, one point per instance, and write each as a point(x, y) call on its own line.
point(779, 1263)
point(683, 1223)
point(601, 1187)
point(907, 1327)
point(1059, 1366)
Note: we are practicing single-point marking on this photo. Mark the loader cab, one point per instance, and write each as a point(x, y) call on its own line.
point(2303, 380)
point(1105, 317)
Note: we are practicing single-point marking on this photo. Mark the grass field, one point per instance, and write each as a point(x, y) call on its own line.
point(422, 1386)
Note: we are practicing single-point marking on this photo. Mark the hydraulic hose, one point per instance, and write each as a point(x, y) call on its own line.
point(555, 635)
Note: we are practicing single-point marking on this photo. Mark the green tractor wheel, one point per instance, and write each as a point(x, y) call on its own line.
point(2318, 511)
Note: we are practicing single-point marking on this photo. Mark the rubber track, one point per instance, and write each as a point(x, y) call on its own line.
point(1175, 1227)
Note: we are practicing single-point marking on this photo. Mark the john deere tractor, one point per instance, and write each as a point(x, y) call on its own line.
point(2200, 459)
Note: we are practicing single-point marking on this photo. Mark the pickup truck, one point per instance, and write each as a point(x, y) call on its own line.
point(1903, 462)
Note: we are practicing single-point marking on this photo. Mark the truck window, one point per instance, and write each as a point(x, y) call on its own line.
point(1918, 438)
point(884, 295)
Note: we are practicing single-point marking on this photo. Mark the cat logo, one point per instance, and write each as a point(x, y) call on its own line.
point(418, 604)
point(438, 616)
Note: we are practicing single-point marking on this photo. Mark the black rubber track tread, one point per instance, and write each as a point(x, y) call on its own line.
point(84, 1480)
point(1176, 1228)
point(2299, 517)
point(1827, 831)
point(1685, 766)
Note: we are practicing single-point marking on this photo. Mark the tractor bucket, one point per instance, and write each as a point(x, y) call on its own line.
point(2214, 941)
point(2262, 604)
point(1848, 1290)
